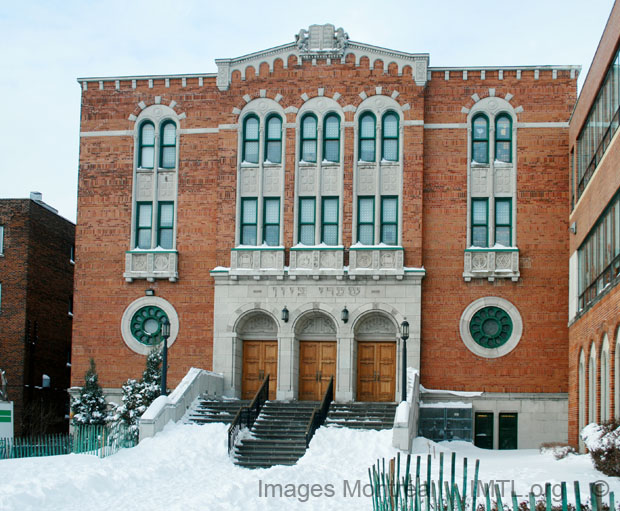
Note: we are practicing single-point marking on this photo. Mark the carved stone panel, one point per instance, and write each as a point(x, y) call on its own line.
point(491, 264)
point(503, 180)
point(330, 181)
point(389, 180)
point(307, 180)
point(151, 266)
point(375, 325)
point(165, 186)
point(258, 324)
point(144, 189)
point(316, 325)
point(366, 181)
point(249, 181)
point(479, 181)
point(271, 181)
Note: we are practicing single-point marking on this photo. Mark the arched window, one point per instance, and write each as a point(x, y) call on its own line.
point(331, 138)
point(617, 373)
point(273, 140)
point(480, 139)
point(605, 381)
point(308, 138)
point(390, 137)
point(582, 391)
point(367, 137)
point(592, 386)
point(146, 154)
point(503, 138)
point(250, 139)
point(168, 153)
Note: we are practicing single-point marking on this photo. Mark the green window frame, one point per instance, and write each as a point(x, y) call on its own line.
point(144, 224)
point(249, 221)
point(503, 138)
point(251, 134)
point(146, 142)
point(308, 146)
point(271, 221)
point(480, 222)
point(390, 125)
point(366, 220)
point(480, 139)
point(331, 138)
point(329, 221)
point(503, 221)
point(168, 145)
point(367, 137)
point(273, 139)
point(307, 220)
point(389, 220)
point(165, 225)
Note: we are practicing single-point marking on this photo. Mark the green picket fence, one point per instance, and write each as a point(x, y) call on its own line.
point(396, 488)
point(99, 441)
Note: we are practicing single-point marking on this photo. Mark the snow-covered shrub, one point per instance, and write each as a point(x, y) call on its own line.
point(138, 395)
point(603, 443)
point(90, 408)
point(557, 449)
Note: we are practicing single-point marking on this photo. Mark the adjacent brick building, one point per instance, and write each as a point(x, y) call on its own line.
point(289, 212)
point(594, 302)
point(36, 293)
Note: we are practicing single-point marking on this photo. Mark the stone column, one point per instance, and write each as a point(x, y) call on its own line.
point(345, 371)
point(288, 368)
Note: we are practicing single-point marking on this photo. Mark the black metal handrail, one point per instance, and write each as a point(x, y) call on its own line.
point(246, 416)
point(320, 413)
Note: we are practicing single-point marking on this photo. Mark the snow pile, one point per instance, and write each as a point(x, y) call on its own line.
point(598, 437)
point(186, 467)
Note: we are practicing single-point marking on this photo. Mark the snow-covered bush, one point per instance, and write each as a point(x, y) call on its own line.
point(603, 443)
point(90, 408)
point(557, 449)
point(138, 395)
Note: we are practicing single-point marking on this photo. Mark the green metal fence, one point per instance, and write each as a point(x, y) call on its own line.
point(396, 488)
point(99, 441)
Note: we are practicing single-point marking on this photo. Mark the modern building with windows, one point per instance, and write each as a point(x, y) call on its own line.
point(290, 211)
point(594, 303)
point(37, 258)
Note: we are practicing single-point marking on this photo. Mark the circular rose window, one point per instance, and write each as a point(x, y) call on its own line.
point(146, 325)
point(491, 327)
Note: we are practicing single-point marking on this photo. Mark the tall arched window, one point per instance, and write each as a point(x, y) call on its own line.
point(308, 138)
point(503, 138)
point(605, 381)
point(582, 390)
point(273, 140)
point(367, 137)
point(480, 139)
point(331, 138)
point(168, 150)
point(250, 139)
point(592, 385)
point(389, 134)
point(146, 155)
point(617, 373)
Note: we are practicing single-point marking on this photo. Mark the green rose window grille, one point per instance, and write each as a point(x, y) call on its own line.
point(146, 325)
point(491, 327)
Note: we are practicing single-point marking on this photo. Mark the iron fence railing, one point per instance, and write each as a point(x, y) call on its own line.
point(247, 415)
point(320, 413)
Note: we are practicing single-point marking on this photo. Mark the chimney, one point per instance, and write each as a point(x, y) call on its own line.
point(36, 196)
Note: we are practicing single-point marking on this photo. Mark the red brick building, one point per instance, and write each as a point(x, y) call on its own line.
point(594, 303)
point(36, 293)
point(288, 212)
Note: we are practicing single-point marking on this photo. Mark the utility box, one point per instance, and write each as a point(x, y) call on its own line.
point(6, 419)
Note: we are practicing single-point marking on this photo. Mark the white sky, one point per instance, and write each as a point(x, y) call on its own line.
point(46, 45)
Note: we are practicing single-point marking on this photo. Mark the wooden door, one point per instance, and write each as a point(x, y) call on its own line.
point(376, 371)
point(317, 364)
point(260, 358)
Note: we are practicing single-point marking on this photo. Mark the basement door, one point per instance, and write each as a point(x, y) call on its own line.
point(260, 358)
point(508, 431)
point(483, 430)
point(317, 364)
point(376, 371)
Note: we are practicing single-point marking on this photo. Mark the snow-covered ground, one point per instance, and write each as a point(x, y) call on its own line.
point(186, 467)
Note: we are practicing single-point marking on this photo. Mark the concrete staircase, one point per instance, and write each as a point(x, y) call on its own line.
point(360, 415)
point(278, 435)
point(215, 409)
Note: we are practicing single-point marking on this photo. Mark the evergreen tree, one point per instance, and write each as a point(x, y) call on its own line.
point(138, 395)
point(90, 408)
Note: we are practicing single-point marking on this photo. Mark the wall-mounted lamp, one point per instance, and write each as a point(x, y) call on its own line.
point(149, 292)
point(344, 315)
point(285, 314)
point(573, 228)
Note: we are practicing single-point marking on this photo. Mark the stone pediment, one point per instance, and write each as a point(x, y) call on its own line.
point(324, 42)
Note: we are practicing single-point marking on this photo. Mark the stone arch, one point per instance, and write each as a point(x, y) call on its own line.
point(263, 107)
point(492, 106)
point(315, 324)
point(257, 324)
point(582, 397)
point(605, 382)
point(358, 314)
point(376, 325)
point(592, 415)
point(244, 311)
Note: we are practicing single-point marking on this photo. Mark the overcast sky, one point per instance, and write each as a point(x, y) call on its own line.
point(46, 45)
